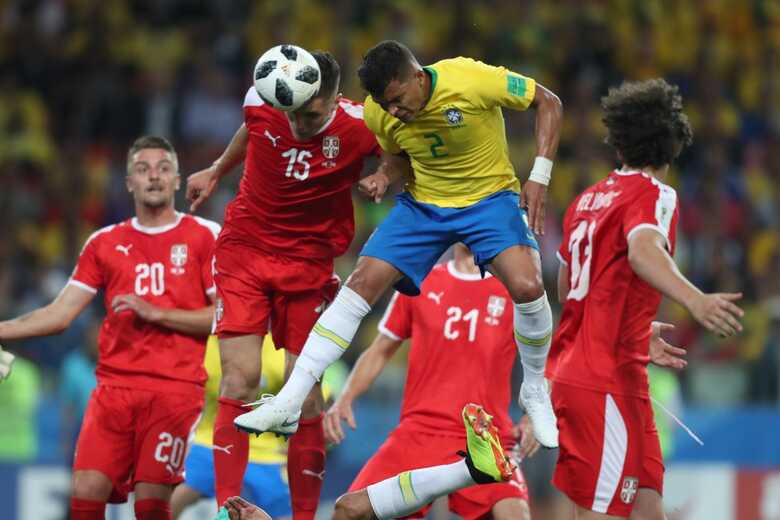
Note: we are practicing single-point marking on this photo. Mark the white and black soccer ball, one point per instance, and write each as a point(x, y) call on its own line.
point(286, 77)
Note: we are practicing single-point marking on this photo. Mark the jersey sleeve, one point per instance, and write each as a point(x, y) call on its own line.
point(492, 86)
point(373, 116)
point(397, 321)
point(656, 208)
point(88, 274)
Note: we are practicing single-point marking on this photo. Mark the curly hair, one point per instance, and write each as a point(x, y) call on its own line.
point(646, 122)
point(330, 73)
point(384, 62)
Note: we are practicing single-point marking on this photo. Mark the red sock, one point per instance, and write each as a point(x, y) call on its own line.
point(306, 467)
point(152, 509)
point(83, 509)
point(231, 450)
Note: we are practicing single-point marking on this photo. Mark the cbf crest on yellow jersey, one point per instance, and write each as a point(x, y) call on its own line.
point(457, 143)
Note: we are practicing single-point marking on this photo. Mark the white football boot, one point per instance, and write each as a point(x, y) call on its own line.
point(535, 400)
point(269, 416)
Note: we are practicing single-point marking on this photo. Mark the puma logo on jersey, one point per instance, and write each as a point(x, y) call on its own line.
point(321, 307)
point(320, 475)
point(435, 296)
point(124, 249)
point(272, 138)
point(226, 449)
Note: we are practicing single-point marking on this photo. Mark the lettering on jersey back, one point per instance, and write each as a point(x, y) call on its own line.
point(596, 201)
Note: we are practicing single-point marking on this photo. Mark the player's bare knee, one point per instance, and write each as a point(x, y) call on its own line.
point(524, 289)
point(235, 384)
point(91, 485)
point(511, 509)
point(353, 506)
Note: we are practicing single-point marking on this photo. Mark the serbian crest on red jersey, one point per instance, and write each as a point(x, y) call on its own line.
point(495, 309)
point(629, 489)
point(178, 258)
point(330, 146)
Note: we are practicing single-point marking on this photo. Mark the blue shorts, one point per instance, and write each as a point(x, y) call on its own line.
point(415, 234)
point(264, 484)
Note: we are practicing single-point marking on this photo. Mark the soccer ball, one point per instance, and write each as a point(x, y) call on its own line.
point(286, 77)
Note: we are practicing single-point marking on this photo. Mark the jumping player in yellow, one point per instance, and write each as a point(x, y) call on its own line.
point(446, 120)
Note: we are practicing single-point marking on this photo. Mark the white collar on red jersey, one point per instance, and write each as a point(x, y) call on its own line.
point(156, 230)
point(468, 277)
point(629, 172)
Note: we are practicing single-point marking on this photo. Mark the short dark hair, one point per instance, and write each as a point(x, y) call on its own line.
point(149, 141)
point(384, 62)
point(646, 122)
point(330, 73)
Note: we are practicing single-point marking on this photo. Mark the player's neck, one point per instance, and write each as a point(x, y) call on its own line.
point(155, 217)
point(658, 173)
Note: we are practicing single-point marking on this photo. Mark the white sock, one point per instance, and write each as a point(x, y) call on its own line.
point(533, 332)
point(409, 491)
point(327, 341)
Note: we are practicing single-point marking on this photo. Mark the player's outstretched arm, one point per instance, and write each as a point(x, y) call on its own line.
point(200, 185)
point(369, 365)
point(196, 322)
point(51, 319)
point(549, 115)
point(651, 261)
point(392, 168)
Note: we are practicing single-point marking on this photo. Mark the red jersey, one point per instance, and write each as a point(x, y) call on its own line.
point(462, 351)
point(168, 266)
point(602, 342)
point(295, 197)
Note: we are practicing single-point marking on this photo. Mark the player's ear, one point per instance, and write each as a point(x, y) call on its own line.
point(128, 184)
point(178, 182)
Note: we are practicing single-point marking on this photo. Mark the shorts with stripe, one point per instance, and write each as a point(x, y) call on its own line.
point(609, 448)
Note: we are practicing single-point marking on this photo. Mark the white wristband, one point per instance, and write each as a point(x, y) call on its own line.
point(541, 172)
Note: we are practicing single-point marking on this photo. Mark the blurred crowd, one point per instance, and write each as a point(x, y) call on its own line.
point(81, 79)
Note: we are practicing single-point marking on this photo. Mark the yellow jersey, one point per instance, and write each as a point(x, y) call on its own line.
point(267, 448)
point(457, 143)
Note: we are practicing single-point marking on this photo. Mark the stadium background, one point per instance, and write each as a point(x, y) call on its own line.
point(81, 79)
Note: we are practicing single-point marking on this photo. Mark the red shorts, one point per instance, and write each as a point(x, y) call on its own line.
point(403, 451)
point(609, 448)
point(257, 291)
point(133, 435)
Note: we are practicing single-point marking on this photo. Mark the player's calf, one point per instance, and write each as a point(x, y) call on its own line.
point(354, 506)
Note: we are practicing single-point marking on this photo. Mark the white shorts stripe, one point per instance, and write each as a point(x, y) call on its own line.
point(613, 456)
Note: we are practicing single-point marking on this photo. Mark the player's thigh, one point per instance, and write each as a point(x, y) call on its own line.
point(241, 362)
point(510, 499)
point(519, 268)
point(105, 444)
point(401, 451)
point(601, 449)
point(266, 486)
point(403, 249)
point(243, 294)
point(162, 436)
point(648, 505)
point(494, 225)
point(294, 313)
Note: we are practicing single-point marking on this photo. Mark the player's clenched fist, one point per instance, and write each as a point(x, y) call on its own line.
point(375, 185)
point(200, 185)
point(239, 509)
